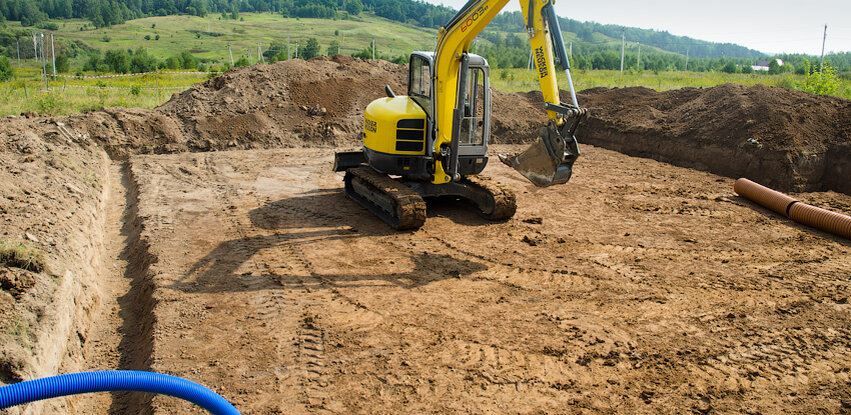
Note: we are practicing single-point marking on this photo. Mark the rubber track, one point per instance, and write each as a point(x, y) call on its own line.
point(505, 204)
point(409, 206)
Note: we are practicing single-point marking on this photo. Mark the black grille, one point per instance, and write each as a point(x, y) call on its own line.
point(409, 146)
point(418, 124)
point(410, 134)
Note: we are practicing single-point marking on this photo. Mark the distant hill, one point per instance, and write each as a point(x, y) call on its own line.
point(206, 28)
point(109, 12)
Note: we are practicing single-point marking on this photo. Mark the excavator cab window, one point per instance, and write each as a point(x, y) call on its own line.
point(472, 124)
point(419, 83)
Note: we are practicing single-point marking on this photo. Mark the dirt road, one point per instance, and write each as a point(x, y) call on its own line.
point(639, 287)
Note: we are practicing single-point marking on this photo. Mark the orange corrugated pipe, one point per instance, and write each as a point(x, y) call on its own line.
point(816, 217)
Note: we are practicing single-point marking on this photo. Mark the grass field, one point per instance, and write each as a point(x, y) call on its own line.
point(516, 80)
point(72, 95)
point(208, 37)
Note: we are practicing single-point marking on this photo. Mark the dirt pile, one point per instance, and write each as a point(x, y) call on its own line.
point(286, 104)
point(789, 139)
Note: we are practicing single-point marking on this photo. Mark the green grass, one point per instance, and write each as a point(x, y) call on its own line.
point(22, 256)
point(74, 95)
point(521, 80)
point(179, 33)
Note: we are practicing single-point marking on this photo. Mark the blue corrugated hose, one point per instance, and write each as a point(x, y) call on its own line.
point(114, 380)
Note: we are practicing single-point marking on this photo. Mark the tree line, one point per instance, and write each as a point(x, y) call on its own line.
point(109, 12)
point(512, 51)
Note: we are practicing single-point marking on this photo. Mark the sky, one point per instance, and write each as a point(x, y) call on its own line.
point(771, 27)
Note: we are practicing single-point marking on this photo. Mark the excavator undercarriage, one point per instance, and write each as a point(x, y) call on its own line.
point(402, 203)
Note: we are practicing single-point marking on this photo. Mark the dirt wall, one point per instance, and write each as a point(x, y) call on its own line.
point(790, 140)
point(52, 198)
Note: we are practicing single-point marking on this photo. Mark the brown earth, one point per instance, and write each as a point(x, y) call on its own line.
point(637, 287)
point(791, 140)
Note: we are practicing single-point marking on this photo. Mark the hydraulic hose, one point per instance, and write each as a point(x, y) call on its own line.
point(117, 380)
point(816, 217)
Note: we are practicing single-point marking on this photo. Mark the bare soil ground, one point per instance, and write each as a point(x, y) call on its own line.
point(637, 287)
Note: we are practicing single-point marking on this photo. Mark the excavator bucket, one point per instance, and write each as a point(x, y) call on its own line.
point(549, 160)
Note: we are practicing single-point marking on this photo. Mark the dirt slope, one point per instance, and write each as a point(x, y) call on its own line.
point(52, 196)
point(788, 139)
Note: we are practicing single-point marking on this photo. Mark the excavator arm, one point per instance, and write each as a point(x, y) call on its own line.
point(550, 159)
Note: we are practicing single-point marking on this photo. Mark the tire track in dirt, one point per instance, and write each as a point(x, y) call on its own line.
point(307, 299)
point(348, 317)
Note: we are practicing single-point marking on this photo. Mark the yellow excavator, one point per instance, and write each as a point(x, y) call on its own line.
point(433, 141)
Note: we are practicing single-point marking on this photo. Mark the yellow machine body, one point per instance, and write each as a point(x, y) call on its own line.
point(395, 126)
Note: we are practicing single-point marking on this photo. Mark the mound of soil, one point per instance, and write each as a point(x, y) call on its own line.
point(788, 139)
point(286, 104)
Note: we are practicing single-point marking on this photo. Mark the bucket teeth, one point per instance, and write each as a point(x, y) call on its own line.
point(548, 161)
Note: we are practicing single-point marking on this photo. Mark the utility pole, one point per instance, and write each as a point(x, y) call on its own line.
point(259, 53)
point(53, 54)
point(623, 46)
point(35, 47)
point(288, 44)
point(570, 48)
point(296, 50)
point(18, 43)
point(686, 59)
point(44, 61)
point(373, 48)
point(230, 54)
point(821, 64)
point(638, 64)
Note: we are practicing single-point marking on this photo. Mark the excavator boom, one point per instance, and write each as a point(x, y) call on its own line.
point(550, 158)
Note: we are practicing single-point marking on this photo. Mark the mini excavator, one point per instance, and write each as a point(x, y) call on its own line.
point(433, 142)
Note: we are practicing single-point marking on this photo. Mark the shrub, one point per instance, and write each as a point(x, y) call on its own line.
point(147, 37)
point(243, 61)
point(6, 71)
point(22, 256)
point(62, 64)
point(311, 49)
point(49, 26)
point(333, 48)
point(730, 67)
point(354, 7)
point(187, 61)
point(48, 103)
point(135, 90)
point(823, 83)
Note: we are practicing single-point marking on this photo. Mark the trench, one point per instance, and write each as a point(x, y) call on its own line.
point(121, 334)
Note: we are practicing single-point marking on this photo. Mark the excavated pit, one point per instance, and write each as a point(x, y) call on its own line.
point(637, 287)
